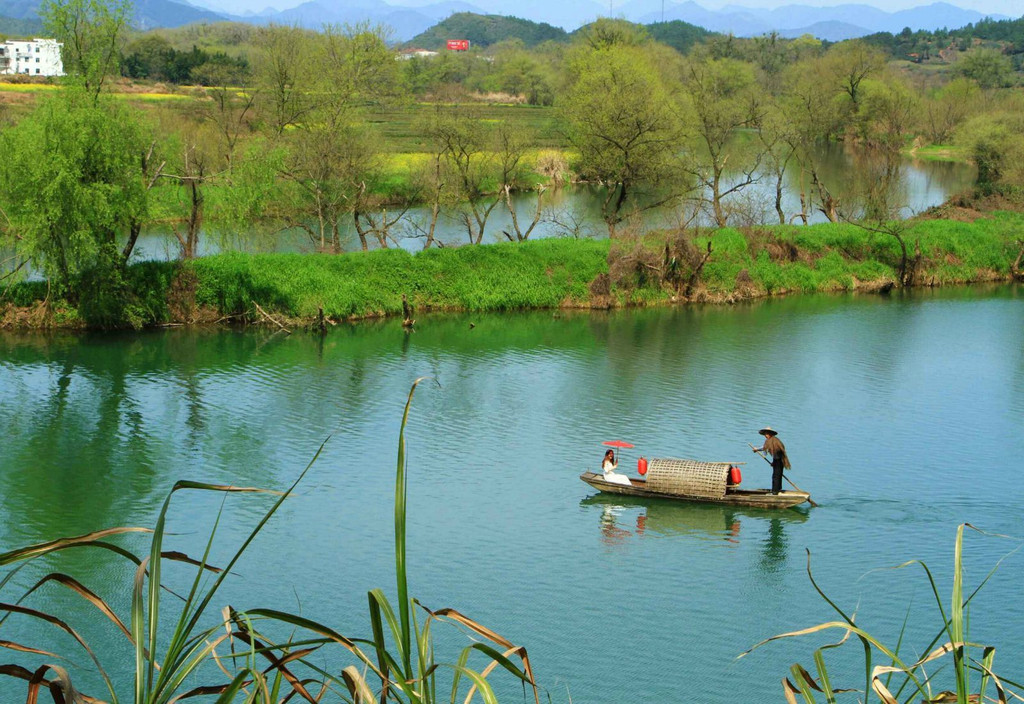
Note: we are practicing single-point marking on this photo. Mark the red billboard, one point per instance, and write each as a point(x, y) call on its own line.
point(458, 45)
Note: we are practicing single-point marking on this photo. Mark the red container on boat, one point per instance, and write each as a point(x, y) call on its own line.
point(734, 475)
point(641, 466)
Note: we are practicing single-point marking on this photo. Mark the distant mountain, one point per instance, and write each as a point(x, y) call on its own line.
point(148, 13)
point(167, 13)
point(484, 30)
point(677, 34)
point(11, 27)
point(833, 23)
point(741, 23)
point(20, 9)
point(567, 14)
point(832, 31)
point(410, 18)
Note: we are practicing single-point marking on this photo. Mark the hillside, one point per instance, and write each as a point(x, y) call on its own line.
point(921, 46)
point(484, 30)
point(677, 34)
point(11, 27)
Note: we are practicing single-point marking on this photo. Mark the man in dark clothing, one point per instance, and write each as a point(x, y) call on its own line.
point(774, 447)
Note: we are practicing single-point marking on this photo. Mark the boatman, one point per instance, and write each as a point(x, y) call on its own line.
point(777, 450)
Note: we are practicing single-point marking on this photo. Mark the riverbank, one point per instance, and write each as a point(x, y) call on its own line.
point(721, 266)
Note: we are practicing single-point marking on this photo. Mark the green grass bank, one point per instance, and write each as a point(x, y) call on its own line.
point(657, 268)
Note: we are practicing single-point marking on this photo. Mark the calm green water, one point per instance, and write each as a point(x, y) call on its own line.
point(903, 416)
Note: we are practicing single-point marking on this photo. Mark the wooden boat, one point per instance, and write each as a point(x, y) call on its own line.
point(690, 480)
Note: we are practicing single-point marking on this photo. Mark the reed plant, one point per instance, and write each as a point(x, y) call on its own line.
point(229, 659)
point(899, 679)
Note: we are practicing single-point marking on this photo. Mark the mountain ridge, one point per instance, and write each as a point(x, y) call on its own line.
point(834, 23)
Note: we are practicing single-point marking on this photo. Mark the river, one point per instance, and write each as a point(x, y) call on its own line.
point(575, 211)
point(903, 416)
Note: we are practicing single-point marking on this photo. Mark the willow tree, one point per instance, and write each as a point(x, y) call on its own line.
point(474, 166)
point(845, 67)
point(74, 185)
point(622, 119)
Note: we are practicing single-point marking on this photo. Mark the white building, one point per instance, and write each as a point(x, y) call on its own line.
point(407, 54)
point(36, 57)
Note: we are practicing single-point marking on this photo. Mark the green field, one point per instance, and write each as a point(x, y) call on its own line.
point(941, 152)
point(400, 126)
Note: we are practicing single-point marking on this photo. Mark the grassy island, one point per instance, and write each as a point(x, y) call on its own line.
point(655, 268)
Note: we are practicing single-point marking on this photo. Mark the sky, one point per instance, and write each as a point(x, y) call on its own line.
point(1012, 8)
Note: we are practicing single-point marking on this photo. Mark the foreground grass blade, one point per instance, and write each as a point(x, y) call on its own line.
point(62, 543)
point(357, 687)
point(915, 675)
point(153, 594)
point(53, 620)
point(960, 655)
point(526, 675)
point(88, 595)
point(180, 635)
point(400, 556)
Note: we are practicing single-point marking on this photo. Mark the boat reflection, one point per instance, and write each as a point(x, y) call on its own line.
point(622, 518)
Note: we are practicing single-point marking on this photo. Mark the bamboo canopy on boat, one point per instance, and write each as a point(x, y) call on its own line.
point(689, 477)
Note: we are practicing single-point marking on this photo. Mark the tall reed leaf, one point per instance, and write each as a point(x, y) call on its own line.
point(914, 675)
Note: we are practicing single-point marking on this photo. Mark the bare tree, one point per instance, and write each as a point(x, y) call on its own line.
point(778, 143)
point(881, 212)
point(230, 111)
point(376, 224)
point(285, 74)
point(722, 96)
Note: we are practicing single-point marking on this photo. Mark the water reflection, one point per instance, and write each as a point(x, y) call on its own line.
point(623, 518)
point(775, 548)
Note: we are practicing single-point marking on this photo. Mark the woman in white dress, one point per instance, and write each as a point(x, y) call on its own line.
point(608, 466)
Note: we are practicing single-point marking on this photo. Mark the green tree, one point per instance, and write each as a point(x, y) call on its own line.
point(778, 139)
point(606, 33)
point(460, 139)
point(73, 186)
point(996, 142)
point(520, 73)
point(888, 112)
point(355, 65)
point(92, 32)
point(846, 66)
point(314, 101)
point(944, 110)
point(327, 160)
point(722, 97)
point(622, 120)
point(988, 68)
